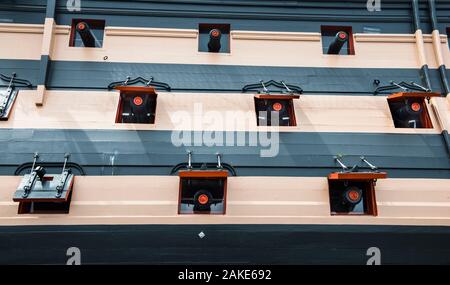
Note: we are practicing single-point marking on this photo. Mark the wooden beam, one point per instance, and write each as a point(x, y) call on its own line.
point(203, 174)
point(400, 95)
point(277, 97)
point(357, 175)
point(137, 89)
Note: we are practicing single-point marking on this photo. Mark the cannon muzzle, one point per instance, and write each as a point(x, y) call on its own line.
point(86, 35)
point(340, 39)
point(214, 40)
point(409, 114)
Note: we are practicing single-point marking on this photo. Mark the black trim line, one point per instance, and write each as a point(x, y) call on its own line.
point(294, 16)
point(225, 244)
point(51, 9)
point(121, 152)
point(444, 80)
point(231, 78)
point(425, 73)
point(446, 138)
point(416, 14)
point(27, 69)
point(433, 17)
point(79, 75)
point(26, 167)
point(44, 69)
point(435, 27)
point(208, 166)
point(425, 76)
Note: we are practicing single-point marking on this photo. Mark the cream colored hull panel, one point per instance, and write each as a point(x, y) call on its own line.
point(213, 111)
point(252, 200)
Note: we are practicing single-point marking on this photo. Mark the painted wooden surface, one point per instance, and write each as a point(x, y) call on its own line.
point(211, 111)
point(152, 45)
point(260, 200)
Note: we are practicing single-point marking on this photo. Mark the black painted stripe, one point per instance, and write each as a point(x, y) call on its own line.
point(435, 26)
point(225, 244)
point(416, 15)
point(444, 80)
point(213, 78)
point(433, 16)
point(51, 8)
point(26, 69)
point(23, 11)
point(446, 138)
point(152, 152)
point(425, 75)
point(44, 65)
point(201, 77)
point(304, 16)
point(44, 68)
point(299, 16)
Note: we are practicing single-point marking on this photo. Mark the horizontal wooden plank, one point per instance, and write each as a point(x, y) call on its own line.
point(277, 96)
point(413, 95)
point(154, 199)
point(136, 89)
point(97, 110)
point(357, 175)
point(203, 174)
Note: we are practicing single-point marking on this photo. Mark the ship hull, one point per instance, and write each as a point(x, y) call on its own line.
point(162, 114)
point(225, 244)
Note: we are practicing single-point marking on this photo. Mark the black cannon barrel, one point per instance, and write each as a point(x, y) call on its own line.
point(336, 45)
point(409, 110)
point(86, 34)
point(408, 114)
point(214, 40)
